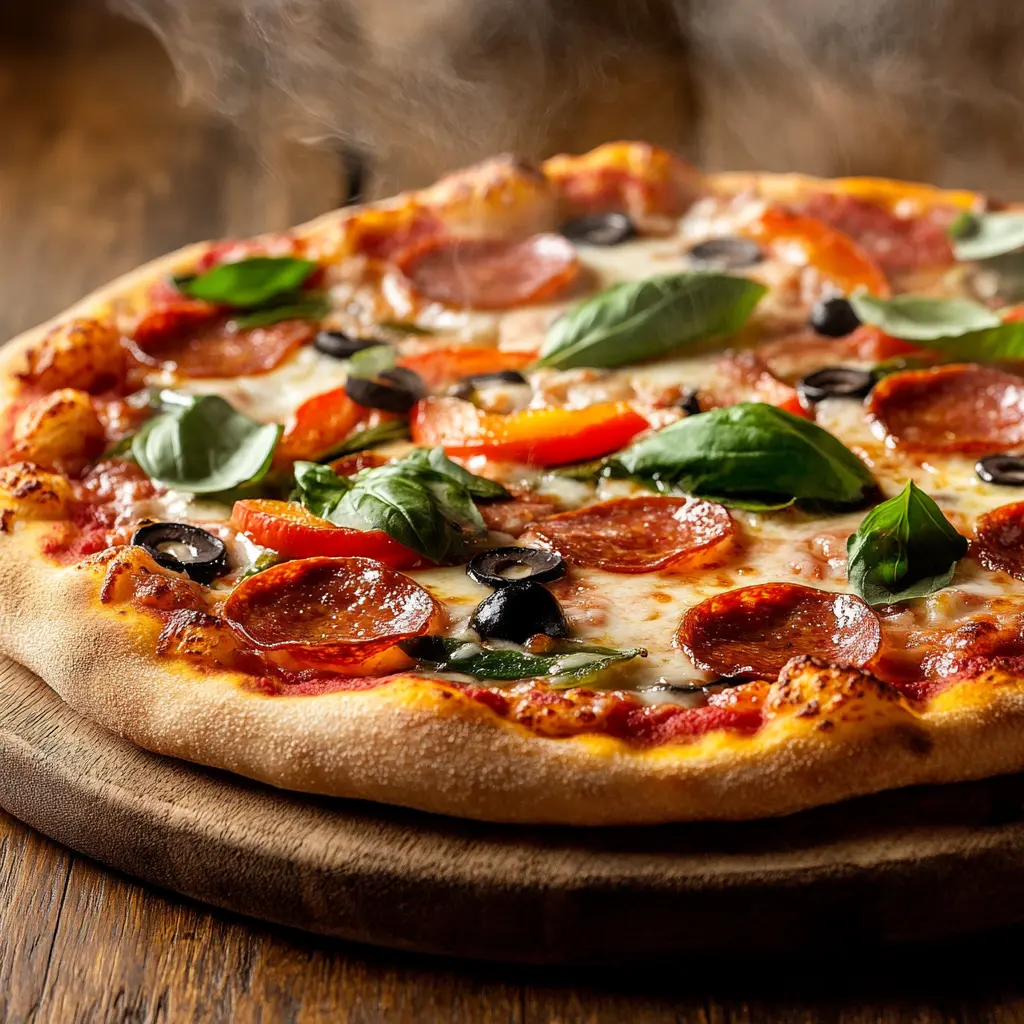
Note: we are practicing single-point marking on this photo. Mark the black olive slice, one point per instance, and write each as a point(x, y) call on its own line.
point(339, 345)
point(425, 648)
point(834, 317)
point(518, 611)
point(396, 390)
point(835, 382)
point(730, 252)
point(490, 567)
point(1005, 470)
point(184, 548)
point(466, 386)
point(689, 402)
point(599, 229)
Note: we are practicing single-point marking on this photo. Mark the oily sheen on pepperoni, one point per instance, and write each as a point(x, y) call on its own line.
point(329, 609)
point(754, 631)
point(490, 273)
point(999, 540)
point(641, 534)
point(961, 407)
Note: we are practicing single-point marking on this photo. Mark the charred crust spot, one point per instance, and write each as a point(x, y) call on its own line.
point(808, 687)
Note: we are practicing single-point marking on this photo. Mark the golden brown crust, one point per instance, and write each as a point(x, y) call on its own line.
point(829, 733)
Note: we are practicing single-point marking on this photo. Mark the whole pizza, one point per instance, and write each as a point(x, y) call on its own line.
point(604, 491)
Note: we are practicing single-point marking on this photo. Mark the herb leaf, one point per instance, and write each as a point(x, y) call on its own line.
point(982, 236)
point(372, 362)
point(424, 501)
point(204, 445)
point(383, 433)
point(569, 664)
point(638, 320)
point(311, 307)
point(249, 282)
point(904, 548)
point(750, 455)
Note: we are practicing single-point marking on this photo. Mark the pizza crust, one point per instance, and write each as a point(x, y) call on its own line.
point(833, 733)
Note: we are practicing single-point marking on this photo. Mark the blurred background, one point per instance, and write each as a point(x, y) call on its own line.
point(132, 127)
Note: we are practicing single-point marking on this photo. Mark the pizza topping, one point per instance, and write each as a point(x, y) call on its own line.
point(611, 228)
point(834, 317)
point(248, 283)
point(835, 382)
point(754, 631)
point(292, 531)
point(750, 455)
point(517, 611)
point(689, 401)
point(999, 540)
point(469, 363)
point(538, 437)
point(330, 609)
point(747, 371)
point(643, 534)
point(202, 445)
point(1002, 470)
point(904, 548)
point(516, 515)
point(957, 407)
point(396, 390)
point(339, 345)
point(501, 567)
point(983, 236)
point(637, 320)
point(730, 252)
point(468, 386)
point(319, 426)
point(184, 548)
point(490, 273)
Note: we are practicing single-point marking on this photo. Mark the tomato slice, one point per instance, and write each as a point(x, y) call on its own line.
point(294, 532)
point(319, 424)
point(538, 437)
point(441, 366)
point(837, 256)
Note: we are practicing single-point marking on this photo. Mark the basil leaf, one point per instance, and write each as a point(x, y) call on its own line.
point(982, 236)
point(402, 327)
point(638, 320)
point(372, 362)
point(383, 433)
point(435, 461)
point(249, 282)
point(313, 307)
point(904, 548)
point(750, 455)
point(319, 488)
point(567, 665)
point(267, 560)
point(958, 327)
point(204, 446)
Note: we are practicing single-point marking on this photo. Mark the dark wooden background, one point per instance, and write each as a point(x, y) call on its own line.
point(101, 168)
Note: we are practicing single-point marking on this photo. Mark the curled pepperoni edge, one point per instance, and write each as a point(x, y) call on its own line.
point(999, 540)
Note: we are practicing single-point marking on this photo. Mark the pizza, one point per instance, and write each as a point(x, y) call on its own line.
point(604, 491)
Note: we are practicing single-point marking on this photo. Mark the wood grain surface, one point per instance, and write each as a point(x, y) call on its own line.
point(100, 168)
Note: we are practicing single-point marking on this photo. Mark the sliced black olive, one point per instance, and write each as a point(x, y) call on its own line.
point(425, 648)
point(518, 611)
point(836, 382)
point(491, 568)
point(834, 317)
point(468, 385)
point(339, 345)
point(1005, 470)
point(599, 229)
point(689, 402)
point(396, 390)
point(730, 252)
point(184, 548)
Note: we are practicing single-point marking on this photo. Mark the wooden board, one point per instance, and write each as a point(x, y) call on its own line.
point(918, 864)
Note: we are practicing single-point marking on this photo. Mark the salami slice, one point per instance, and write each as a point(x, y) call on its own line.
point(641, 534)
point(999, 540)
point(754, 631)
point(490, 273)
point(961, 407)
point(329, 609)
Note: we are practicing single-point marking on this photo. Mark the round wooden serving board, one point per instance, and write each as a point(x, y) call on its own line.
point(904, 866)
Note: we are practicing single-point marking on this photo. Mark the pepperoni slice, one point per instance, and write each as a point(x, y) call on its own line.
point(754, 631)
point(216, 349)
point(330, 609)
point(490, 273)
point(641, 534)
point(961, 407)
point(999, 540)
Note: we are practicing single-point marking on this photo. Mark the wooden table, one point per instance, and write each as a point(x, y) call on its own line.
point(100, 168)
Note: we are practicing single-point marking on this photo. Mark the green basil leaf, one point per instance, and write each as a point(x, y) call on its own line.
point(372, 437)
point(372, 362)
point(313, 307)
point(204, 446)
point(923, 318)
point(569, 664)
point(249, 282)
point(435, 460)
point(119, 449)
point(264, 561)
point(750, 455)
point(982, 236)
point(403, 327)
point(638, 320)
point(319, 488)
point(904, 548)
